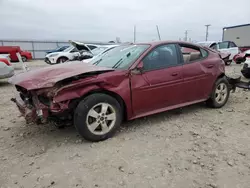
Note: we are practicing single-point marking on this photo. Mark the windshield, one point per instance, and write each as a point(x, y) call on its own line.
point(120, 57)
point(99, 50)
point(68, 49)
point(63, 47)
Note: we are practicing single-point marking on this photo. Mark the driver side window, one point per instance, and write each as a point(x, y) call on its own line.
point(161, 57)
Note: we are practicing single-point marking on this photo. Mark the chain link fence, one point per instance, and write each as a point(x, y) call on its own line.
point(39, 48)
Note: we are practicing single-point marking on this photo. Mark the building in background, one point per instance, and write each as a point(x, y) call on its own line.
point(240, 34)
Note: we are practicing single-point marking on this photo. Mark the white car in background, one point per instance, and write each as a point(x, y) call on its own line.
point(69, 53)
point(6, 69)
point(99, 51)
point(224, 47)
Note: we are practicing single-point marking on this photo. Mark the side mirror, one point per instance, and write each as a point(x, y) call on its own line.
point(140, 65)
point(138, 69)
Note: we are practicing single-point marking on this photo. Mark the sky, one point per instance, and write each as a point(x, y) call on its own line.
point(104, 20)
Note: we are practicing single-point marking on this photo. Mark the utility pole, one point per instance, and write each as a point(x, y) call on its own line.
point(159, 36)
point(134, 33)
point(186, 35)
point(207, 26)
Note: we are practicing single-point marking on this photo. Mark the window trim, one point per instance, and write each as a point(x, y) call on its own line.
point(177, 54)
point(190, 46)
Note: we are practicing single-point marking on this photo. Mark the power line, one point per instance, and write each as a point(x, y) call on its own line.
point(207, 26)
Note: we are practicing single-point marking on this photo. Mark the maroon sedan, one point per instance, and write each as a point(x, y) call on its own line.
point(128, 82)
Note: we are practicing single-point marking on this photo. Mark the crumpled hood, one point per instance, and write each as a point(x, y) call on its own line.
point(48, 76)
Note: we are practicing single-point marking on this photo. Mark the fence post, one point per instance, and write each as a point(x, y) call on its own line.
point(2, 42)
point(33, 50)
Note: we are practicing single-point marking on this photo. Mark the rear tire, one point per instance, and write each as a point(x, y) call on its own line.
point(24, 59)
point(220, 93)
point(246, 75)
point(97, 117)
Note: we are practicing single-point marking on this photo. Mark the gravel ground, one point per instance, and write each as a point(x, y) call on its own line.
point(193, 147)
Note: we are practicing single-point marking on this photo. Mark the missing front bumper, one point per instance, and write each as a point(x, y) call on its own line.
point(29, 112)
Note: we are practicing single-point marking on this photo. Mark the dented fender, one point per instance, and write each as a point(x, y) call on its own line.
point(68, 94)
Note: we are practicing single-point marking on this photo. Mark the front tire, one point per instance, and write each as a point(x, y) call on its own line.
point(97, 117)
point(61, 60)
point(220, 93)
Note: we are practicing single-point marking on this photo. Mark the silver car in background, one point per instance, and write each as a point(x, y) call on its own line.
point(6, 69)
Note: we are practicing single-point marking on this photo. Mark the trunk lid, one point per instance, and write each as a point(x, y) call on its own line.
point(48, 76)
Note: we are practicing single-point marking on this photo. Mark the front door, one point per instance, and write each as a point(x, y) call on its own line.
point(160, 84)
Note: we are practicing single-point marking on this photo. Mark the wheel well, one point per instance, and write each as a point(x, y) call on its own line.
point(221, 76)
point(74, 103)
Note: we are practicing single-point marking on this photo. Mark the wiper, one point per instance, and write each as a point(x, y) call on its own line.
point(120, 61)
point(97, 62)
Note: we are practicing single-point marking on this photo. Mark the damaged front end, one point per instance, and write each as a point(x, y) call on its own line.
point(56, 103)
point(29, 106)
point(38, 106)
point(50, 93)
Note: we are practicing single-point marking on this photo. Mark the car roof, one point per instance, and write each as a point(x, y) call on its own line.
point(156, 43)
point(109, 45)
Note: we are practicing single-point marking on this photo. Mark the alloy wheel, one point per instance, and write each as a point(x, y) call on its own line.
point(101, 118)
point(221, 93)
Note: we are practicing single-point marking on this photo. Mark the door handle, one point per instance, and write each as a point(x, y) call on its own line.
point(174, 74)
point(210, 66)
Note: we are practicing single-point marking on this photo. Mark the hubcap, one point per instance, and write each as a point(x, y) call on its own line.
point(221, 93)
point(101, 118)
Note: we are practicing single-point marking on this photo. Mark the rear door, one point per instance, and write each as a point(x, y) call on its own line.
point(198, 72)
point(160, 83)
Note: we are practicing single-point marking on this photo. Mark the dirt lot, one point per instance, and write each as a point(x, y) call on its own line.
point(193, 147)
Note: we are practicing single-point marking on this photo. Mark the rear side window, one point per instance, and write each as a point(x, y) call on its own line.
point(192, 53)
point(204, 53)
point(232, 45)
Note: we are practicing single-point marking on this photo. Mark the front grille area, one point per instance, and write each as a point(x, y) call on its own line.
point(44, 100)
point(25, 95)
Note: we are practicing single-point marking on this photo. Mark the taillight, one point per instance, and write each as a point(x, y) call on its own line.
point(6, 61)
